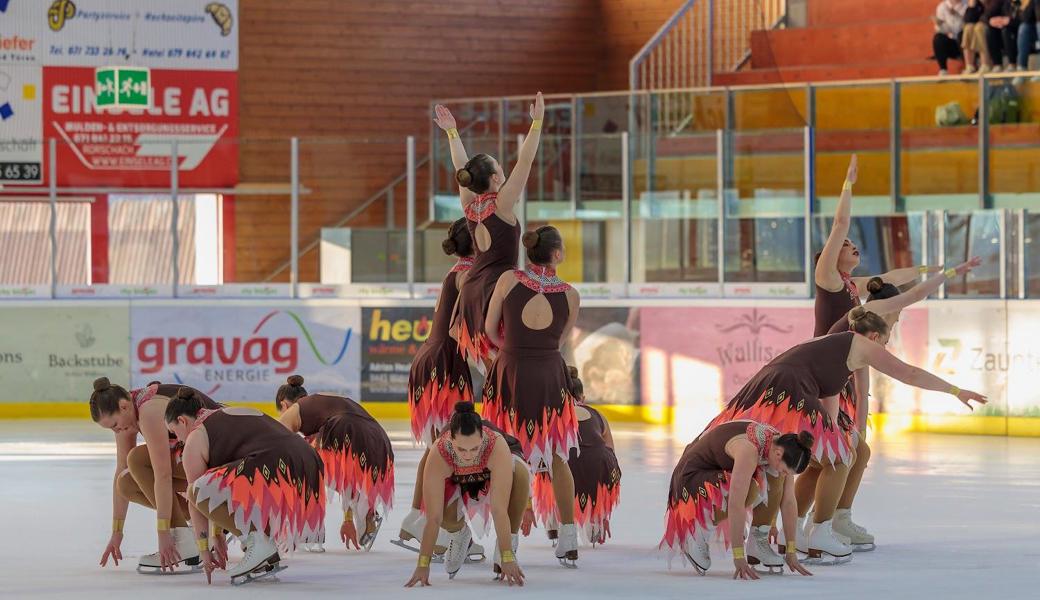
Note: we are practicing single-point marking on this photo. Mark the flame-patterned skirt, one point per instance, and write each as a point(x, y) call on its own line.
point(359, 464)
point(439, 377)
point(597, 490)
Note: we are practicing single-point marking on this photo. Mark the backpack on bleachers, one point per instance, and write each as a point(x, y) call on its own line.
point(950, 115)
point(1005, 105)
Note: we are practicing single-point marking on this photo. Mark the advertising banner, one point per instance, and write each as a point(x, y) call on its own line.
point(54, 353)
point(194, 34)
point(21, 124)
point(604, 346)
point(392, 337)
point(244, 352)
point(1022, 360)
point(968, 346)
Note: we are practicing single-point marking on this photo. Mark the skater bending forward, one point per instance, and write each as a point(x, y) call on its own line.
point(725, 465)
point(251, 476)
point(477, 473)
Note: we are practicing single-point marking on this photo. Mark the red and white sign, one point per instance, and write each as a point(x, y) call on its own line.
point(134, 148)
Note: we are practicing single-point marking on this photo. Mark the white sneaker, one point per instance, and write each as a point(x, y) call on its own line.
point(996, 69)
point(759, 552)
point(942, 73)
point(260, 553)
point(859, 538)
point(969, 70)
point(825, 548)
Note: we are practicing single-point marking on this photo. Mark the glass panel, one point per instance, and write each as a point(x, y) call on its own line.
point(1014, 142)
point(976, 233)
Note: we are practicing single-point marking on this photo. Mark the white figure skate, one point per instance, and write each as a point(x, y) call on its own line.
point(824, 548)
point(760, 553)
point(859, 538)
point(567, 547)
point(552, 530)
point(315, 547)
point(184, 540)
point(410, 538)
point(369, 537)
point(697, 551)
point(458, 548)
point(497, 560)
point(260, 562)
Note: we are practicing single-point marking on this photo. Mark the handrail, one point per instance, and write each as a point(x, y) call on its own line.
point(654, 42)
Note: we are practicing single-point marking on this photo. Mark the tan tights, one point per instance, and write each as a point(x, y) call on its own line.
point(855, 474)
point(821, 487)
point(137, 484)
point(776, 488)
point(219, 515)
point(521, 490)
point(563, 489)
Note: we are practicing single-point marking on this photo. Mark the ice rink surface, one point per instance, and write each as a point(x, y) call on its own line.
point(955, 517)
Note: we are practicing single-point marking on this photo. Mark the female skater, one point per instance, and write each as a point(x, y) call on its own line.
point(356, 452)
point(477, 473)
point(439, 376)
point(597, 477)
point(722, 465)
point(527, 392)
point(250, 476)
point(150, 475)
point(488, 201)
point(886, 301)
point(798, 390)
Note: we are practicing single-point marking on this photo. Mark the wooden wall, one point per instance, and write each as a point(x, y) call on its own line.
point(627, 25)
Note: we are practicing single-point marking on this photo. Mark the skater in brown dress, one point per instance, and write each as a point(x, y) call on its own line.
point(151, 474)
point(250, 476)
point(527, 391)
point(356, 452)
point(489, 202)
point(725, 464)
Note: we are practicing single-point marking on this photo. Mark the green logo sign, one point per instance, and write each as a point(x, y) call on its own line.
point(123, 87)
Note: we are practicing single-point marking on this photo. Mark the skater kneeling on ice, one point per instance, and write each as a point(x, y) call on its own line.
point(151, 474)
point(251, 476)
point(725, 465)
point(474, 473)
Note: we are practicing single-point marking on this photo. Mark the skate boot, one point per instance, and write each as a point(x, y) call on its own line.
point(567, 548)
point(801, 542)
point(315, 547)
point(696, 551)
point(261, 560)
point(760, 553)
point(497, 560)
point(826, 549)
point(458, 549)
point(184, 540)
point(809, 523)
point(412, 530)
point(861, 539)
point(372, 527)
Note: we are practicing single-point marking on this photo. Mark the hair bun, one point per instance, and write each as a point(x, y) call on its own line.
point(295, 380)
point(465, 407)
point(449, 246)
point(185, 392)
point(572, 372)
point(101, 384)
point(875, 285)
point(530, 239)
point(463, 177)
point(857, 313)
point(806, 440)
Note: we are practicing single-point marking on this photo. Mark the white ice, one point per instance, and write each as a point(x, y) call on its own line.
point(955, 517)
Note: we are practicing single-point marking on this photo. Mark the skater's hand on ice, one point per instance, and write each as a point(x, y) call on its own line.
point(420, 576)
point(512, 574)
point(966, 396)
point(348, 534)
point(218, 549)
point(444, 119)
point(112, 549)
point(795, 566)
point(527, 523)
point(774, 536)
point(209, 564)
point(168, 555)
point(743, 569)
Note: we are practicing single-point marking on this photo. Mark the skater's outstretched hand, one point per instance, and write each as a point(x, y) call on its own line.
point(795, 566)
point(168, 555)
point(512, 574)
point(853, 172)
point(348, 534)
point(527, 523)
point(112, 549)
point(743, 569)
point(443, 117)
point(967, 396)
point(420, 576)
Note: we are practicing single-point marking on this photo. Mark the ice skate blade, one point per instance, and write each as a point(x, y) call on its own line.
point(473, 559)
point(771, 569)
point(266, 571)
point(567, 563)
point(369, 539)
point(186, 566)
point(314, 548)
point(821, 559)
point(696, 567)
point(864, 547)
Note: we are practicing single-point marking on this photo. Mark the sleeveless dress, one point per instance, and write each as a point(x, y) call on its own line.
point(701, 481)
point(785, 394)
point(597, 482)
point(142, 396)
point(439, 376)
point(487, 267)
point(356, 452)
point(830, 307)
point(269, 477)
point(526, 393)
point(847, 399)
point(470, 484)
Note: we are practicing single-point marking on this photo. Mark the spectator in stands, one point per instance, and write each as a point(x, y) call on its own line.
point(949, 22)
point(973, 42)
point(1001, 32)
point(1027, 33)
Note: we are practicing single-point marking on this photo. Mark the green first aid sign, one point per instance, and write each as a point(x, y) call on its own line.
point(123, 87)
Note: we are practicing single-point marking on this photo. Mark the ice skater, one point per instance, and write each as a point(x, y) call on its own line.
point(489, 201)
point(150, 475)
point(798, 390)
point(597, 477)
point(527, 391)
point(476, 473)
point(356, 453)
point(720, 476)
point(252, 477)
